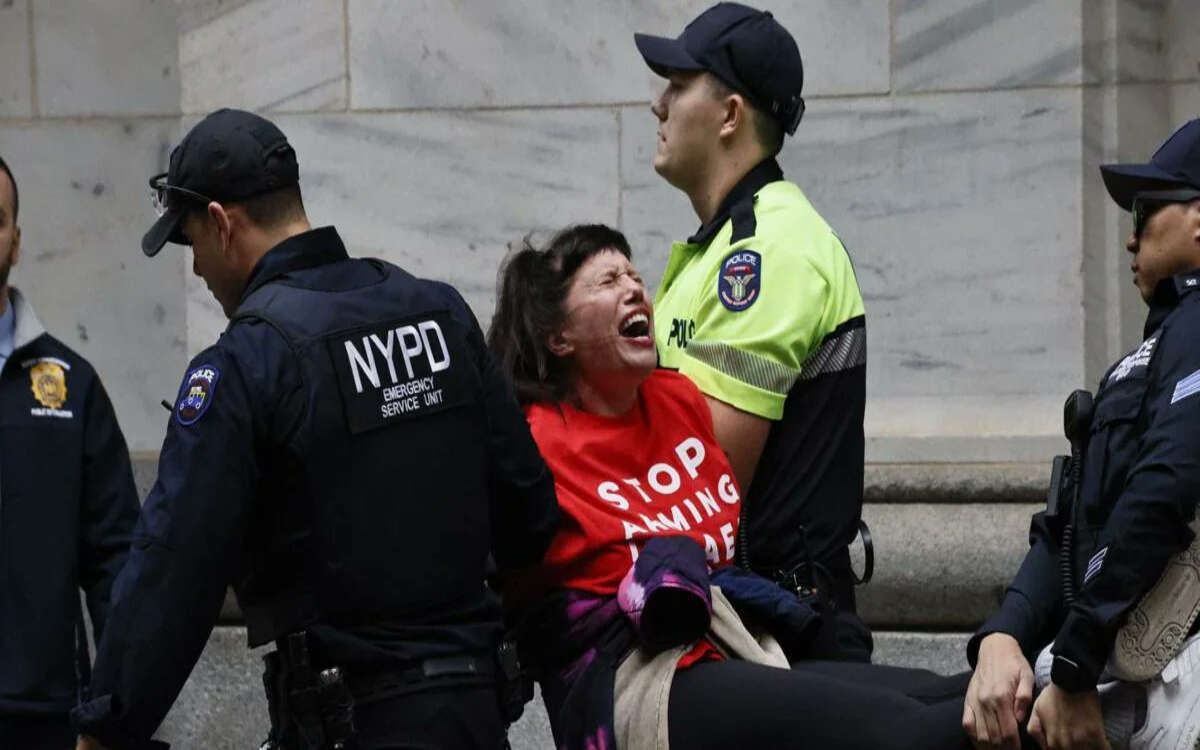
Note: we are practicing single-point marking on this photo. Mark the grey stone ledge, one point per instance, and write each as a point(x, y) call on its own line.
point(941, 566)
point(955, 482)
point(944, 653)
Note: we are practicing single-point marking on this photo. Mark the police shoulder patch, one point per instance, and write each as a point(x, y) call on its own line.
point(196, 394)
point(739, 280)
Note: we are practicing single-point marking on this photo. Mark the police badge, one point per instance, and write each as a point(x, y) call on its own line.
point(739, 280)
point(49, 384)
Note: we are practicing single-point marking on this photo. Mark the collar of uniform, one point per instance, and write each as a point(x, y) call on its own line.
point(316, 247)
point(766, 171)
point(1167, 295)
point(27, 327)
point(1186, 282)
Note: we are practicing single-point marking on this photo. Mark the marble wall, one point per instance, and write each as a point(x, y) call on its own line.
point(953, 145)
point(89, 107)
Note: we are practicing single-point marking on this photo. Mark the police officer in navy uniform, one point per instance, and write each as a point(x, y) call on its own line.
point(346, 455)
point(67, 509)
point(1138, 488)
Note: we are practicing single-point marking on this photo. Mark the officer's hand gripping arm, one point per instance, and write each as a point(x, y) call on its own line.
point(999, 694)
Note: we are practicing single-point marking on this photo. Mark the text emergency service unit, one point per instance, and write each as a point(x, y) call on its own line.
point(398, 370)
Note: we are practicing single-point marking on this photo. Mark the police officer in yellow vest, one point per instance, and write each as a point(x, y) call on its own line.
point(760, 307)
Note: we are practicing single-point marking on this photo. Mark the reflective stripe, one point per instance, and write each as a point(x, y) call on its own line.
point(744, 366)
point(842, 352)
point(846, 350)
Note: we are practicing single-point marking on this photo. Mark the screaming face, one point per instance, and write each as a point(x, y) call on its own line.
point(609, 329)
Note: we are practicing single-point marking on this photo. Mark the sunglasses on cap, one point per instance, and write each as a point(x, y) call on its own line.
point(161, 192)
point(1148, 203)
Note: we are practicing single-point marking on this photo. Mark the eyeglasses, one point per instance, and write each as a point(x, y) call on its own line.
point(1147, 204)
point(160, 194)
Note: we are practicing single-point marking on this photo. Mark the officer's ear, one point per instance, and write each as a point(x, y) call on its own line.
point(559, 346)
point(16, 246)
point(1193, 219)
point(736, 114)
point(222, 222)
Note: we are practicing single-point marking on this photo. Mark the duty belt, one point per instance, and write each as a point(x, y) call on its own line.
point(313, 707)
point(833, 579)
point(363, 686)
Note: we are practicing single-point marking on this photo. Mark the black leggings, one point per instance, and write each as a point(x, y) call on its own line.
point(736, 704)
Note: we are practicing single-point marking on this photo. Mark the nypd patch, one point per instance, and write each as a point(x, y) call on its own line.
point(402, 370)
point(739, 280)
point(196, 395)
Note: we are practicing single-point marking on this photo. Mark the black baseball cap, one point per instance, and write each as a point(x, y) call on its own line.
point(745, 48)
point(1176, 164)
point(227, 157)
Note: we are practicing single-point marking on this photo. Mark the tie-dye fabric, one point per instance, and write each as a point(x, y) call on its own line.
point(575, 639)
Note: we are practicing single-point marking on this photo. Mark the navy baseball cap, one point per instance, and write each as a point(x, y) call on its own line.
point(747, 49)
point(1176, 164)
point(227, 157)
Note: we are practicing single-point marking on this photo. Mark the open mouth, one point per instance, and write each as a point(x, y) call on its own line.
point(635, 326)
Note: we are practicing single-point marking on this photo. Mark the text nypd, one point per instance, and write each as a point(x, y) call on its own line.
point(401, 370)
point(401, 355)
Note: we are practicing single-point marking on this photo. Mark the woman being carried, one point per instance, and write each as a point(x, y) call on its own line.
point(636, 621)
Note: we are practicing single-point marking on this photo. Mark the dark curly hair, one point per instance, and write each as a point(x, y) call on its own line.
point(532, 287)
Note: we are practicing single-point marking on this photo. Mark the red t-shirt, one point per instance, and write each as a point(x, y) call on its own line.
point(655, 471)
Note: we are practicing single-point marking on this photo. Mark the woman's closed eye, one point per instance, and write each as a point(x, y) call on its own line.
point(608, 279)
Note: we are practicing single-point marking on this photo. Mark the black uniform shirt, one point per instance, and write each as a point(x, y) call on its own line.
point(1140, 485)
point(67, 508)
point(388, 560)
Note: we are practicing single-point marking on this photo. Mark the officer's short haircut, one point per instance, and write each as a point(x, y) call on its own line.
point(768, 129)
point(275, 208)
point(13, 181)
point(533, 287)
